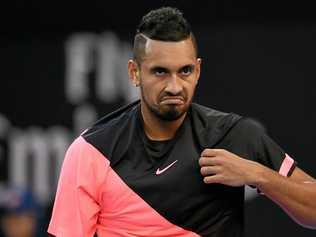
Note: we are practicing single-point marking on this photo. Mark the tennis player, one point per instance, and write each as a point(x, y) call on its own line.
point(165, 166)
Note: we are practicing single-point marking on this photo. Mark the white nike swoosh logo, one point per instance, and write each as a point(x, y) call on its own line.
point(158, 171)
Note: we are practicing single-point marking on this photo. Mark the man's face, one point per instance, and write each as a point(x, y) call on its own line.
point(167, 77)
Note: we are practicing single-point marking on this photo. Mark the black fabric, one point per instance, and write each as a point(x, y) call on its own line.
point(179, 193)
point(250, 141)
point(155, 149)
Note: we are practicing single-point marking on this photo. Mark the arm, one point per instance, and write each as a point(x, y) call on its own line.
point(296, 194)
point(77, 201)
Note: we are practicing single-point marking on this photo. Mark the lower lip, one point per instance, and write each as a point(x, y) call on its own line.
point(172, 102)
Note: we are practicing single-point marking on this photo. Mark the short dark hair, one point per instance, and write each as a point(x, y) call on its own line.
point(165, 24)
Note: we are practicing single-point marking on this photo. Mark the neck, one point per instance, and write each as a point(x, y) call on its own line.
point(157, 129)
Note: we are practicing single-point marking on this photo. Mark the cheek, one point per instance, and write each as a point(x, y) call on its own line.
point(190, 89)
point(149, 91)
point(152, 89)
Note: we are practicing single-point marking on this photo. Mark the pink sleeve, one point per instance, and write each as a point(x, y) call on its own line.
point(76, 206)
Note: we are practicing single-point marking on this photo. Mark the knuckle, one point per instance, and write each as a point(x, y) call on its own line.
point(206, 151)
point(221, 151)
point(224, 151)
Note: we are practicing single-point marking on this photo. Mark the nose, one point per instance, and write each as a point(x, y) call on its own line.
point(174, 86)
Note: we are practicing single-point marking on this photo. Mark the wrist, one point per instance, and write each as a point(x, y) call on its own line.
point(259, 174)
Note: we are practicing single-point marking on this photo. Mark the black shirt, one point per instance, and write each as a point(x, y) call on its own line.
point(166, 174)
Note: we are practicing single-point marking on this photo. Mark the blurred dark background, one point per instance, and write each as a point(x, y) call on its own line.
point(63, 65)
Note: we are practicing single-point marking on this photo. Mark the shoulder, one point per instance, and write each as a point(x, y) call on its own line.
point(112, 134)
point(211, 119)
point(82, 154)
point(248, 128)
point(207, 111)
point(111, 122)
point(211, 125)
point(246, 135)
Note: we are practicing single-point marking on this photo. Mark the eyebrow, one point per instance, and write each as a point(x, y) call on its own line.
point(155, 68)
point(188, 66)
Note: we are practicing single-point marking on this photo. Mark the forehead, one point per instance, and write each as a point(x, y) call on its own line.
point(169, 54)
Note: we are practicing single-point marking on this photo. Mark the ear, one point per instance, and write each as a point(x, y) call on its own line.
point(133, 72)
point(198, 69)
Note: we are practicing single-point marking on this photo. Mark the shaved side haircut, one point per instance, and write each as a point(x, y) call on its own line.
point(164, 24)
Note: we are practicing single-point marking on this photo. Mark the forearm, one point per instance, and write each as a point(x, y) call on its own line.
point(297, 198)
point(293, 194)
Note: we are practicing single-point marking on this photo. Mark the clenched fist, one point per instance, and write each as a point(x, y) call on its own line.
point(223, 167)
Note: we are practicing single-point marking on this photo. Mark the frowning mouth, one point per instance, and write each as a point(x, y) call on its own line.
point(172, 100)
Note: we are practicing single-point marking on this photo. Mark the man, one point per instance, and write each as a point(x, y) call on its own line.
point(164, 166)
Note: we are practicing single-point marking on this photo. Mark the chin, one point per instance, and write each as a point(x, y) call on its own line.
point(172, 114)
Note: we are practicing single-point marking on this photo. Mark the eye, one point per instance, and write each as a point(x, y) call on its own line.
point(186, 70)
point(159, 71)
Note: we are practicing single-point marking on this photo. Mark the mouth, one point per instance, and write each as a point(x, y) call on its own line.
point(172, 100)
